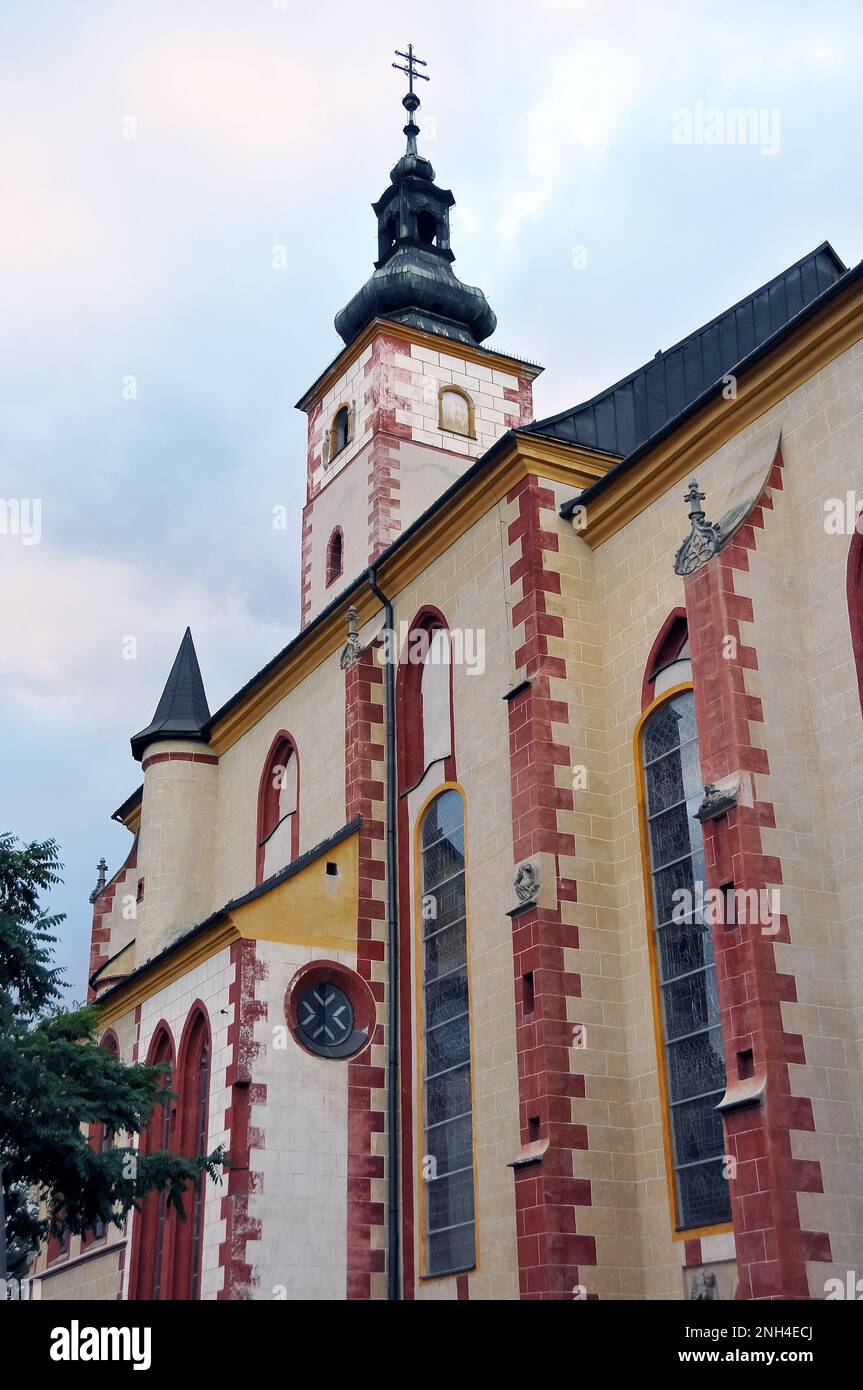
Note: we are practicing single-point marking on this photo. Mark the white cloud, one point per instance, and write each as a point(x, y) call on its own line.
point(63, 637)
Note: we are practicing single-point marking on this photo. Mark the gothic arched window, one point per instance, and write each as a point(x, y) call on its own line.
point(193, 1112)
point(447, 1180)
point(691, 1054)
point(335, 555)
point(425, 698)
point(153, 1226)
point(670, 662)
point(278, 808)
point(456, 411)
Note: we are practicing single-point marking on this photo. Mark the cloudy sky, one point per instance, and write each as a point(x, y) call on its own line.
point(152, 156)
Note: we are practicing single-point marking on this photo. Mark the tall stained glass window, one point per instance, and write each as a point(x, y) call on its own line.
point(692, 1040)
point(447, 1158)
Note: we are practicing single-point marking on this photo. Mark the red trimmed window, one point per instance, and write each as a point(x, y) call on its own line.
point(425, 699)
point(335, 555)
point(278, 808)
point(193, 1113)
point(153, 1225)
point(669, 663)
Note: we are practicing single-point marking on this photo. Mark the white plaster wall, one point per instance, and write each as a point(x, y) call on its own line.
point(301, 1196)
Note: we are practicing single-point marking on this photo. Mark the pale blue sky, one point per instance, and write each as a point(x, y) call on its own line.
point(260, 125)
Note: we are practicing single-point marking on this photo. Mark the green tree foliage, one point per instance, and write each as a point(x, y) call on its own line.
point(58, 1087)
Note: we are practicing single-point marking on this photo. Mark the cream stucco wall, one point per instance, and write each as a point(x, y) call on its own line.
point(613, 602)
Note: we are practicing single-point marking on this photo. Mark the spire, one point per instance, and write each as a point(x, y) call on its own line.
point(182, 712)
point(413, 281)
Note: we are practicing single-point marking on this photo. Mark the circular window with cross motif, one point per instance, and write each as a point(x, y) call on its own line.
point(330, 1010)
point(325, 1017)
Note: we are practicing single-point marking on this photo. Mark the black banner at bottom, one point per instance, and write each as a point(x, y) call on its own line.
point(219, 1338)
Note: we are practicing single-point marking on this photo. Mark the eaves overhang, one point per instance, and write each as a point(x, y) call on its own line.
point(488, 357)
point(129, 814)
point(209, 936)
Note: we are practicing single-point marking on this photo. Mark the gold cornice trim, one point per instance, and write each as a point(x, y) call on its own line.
point(809, 349)
point(180, 962)
point(297, 911)
point(486, 357)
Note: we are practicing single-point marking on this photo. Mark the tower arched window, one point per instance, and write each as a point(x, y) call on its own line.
point(278, 808)
point(335, 555)
point(341, 429)
point(447, 1185)
point(690, 1039)
point(426, 227)
point(390, 235)
point(456, 411)
point(153, 1224)
point(193, 1115)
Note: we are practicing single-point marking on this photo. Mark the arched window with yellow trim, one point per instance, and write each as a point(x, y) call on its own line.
point(692, 1060)
point(456, 411)
point(447, 1114)
point(340, 432)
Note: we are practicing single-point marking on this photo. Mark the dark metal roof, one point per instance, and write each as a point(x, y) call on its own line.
point(182, 711)
point(739, 369)
point(623, 416)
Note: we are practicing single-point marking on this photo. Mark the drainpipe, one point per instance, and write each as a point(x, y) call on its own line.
point(393, 1270)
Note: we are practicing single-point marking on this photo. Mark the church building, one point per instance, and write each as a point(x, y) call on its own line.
point(506, 927)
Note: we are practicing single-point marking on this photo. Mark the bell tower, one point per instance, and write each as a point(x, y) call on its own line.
point(413, 397)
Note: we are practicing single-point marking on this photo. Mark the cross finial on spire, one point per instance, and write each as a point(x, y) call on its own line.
point(411, 101)
point(694, 497)
point(102, 868)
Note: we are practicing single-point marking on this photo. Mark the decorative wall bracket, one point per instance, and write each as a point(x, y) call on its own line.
point(718, 800)
point(353, 647)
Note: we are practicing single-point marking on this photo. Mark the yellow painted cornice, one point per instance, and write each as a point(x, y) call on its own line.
point(518, 455)
point(143, 985)
point(486, 357)
point(828, 334)
point(310, 908)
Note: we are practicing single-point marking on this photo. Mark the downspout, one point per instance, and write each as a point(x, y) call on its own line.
point(393, 1218)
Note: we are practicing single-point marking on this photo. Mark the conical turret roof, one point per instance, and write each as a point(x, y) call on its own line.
point(182, 711)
